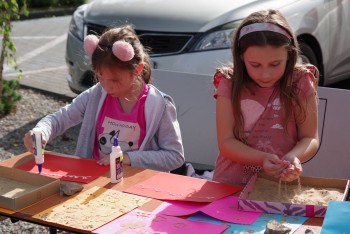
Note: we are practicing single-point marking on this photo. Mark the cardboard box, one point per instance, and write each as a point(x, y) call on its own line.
point(287, 208)
point(19, 189)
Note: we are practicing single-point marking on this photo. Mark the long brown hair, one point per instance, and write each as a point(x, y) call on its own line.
point(240, 77)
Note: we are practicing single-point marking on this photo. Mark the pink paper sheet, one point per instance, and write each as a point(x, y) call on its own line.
point(166, 186)
point(225, 209)
point(65, 168)
point(138, 221)
point(180, 208)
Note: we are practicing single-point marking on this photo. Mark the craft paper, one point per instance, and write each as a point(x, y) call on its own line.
point(167, 186)
point(259, 226)
point(92, 208)
point(66, 168)
point(225, 209)
point(337, 218)
point(179, 208)
point(138, 221)
point(309, 229)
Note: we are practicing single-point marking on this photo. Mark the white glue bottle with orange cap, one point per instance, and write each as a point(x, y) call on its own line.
point(116, 162)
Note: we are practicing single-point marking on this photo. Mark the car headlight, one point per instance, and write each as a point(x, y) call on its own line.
point(218, 39)
point(76, 26)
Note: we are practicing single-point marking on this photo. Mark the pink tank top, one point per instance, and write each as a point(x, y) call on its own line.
point(263, 127)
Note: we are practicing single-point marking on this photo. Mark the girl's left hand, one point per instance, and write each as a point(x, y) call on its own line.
point(104, 161)
point(293, 171)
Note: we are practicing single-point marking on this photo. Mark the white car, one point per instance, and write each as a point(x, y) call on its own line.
point(194, 36)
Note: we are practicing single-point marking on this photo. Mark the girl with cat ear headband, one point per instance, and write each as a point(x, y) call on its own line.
point(123, 103)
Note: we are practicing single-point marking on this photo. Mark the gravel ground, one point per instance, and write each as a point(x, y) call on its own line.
point(33, 106)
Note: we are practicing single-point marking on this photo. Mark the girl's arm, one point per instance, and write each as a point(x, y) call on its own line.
point(55, 124)
point(237, 151)
point(308, 142)
point(165, 151)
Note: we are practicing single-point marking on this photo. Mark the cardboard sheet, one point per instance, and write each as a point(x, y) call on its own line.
point(277, 207)
point(259, 226)
point(138, 221)
point(68, 169)
point(180, 208)
point(166, 186)
point(19, 189)
point(225, 209)
point(337, 218)
point(92, 208)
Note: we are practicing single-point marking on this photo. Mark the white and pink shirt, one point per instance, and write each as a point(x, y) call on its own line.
point(130, 128)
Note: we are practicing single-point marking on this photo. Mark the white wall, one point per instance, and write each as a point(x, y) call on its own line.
point(193, 95)
point(333, 157)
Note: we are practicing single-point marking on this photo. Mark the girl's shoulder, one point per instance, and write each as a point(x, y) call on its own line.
point(306, 73)
point(222, 81)
point(157, 95)
point(225, 72)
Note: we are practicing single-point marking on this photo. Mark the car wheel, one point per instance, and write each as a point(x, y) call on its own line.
point(307, 55)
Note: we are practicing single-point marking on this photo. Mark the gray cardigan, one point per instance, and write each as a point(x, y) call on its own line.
point(162, 147)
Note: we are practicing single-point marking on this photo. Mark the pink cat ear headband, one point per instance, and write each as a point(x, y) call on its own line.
point(121, 49)
point(262, 27)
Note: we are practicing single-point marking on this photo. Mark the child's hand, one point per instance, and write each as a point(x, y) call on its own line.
point(126, 159)
point(274, 166)
point(29, 143)
point(293, 171)
point(104, 160)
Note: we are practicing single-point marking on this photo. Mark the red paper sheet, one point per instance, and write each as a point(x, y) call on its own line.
point(65, 168)
point(166, 186)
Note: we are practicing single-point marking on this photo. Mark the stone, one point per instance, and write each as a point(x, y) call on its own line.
point(70, 188)
point(274, 227)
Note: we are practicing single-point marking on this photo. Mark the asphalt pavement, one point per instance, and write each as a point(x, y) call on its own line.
point(40, 53)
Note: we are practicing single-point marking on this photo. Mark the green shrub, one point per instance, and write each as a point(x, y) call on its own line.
point(10, 97)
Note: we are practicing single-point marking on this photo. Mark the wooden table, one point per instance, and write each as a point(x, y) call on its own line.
point(132, 176)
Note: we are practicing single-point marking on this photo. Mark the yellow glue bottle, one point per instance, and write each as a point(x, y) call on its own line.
point(116, 162)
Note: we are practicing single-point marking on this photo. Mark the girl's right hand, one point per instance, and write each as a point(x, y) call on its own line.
point(274, 166)
point(29, 143)
point(294, 170)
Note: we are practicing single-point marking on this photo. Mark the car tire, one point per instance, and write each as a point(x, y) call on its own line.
point(307, 55)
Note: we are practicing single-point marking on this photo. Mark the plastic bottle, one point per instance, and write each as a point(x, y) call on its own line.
point(116, 162)
point(38, 148)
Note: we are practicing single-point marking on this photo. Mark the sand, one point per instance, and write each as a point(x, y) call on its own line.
point(267, 190)
point(13, 188)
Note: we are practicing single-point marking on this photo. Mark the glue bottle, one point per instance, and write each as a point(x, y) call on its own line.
point(116, 162)
point(38, 149)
